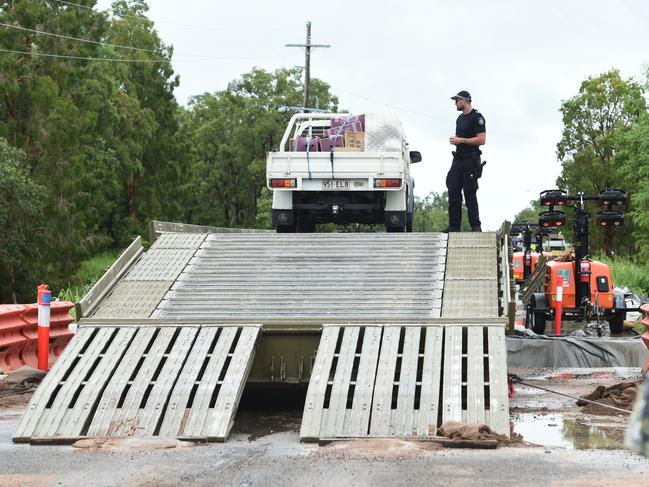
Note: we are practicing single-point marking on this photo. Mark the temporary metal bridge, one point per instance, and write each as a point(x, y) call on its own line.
point(394, 334)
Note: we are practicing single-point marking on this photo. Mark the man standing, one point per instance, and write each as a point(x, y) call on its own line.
point(470, 134)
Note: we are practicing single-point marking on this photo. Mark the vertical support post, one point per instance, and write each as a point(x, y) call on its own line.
point(44, 300)
point(558, 309)
point(307, 65)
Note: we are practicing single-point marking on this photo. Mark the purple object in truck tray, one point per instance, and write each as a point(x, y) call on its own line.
point(347, 121)
point(356, 126)
point(299, 144)
point(326, 144)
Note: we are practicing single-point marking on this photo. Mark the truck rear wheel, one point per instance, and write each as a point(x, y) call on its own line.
point(306, 227)
point(285, 229)
point(409, 224)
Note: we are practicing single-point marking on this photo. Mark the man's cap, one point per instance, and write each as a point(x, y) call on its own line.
point(465, 95)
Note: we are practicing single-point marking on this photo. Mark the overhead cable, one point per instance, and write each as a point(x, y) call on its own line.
point(120, 46)
point(63, 56)
point(428, 116)
point(150, 61)
point(61, 36)
point(193, 26)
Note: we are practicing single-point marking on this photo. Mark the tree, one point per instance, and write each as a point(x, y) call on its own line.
point(231, 132)
point(529, 214)
point(431, 213)
point(634, 159)
point(595, 121)
point(22, 225)
point(99, 138)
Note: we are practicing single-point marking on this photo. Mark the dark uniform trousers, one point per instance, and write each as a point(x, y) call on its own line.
point(460, 178)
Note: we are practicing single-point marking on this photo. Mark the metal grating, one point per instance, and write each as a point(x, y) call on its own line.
point(132, 299)
point(160, 264)
point(471, 278)
point(179, 241)
point(472, 263)
point(470, 298)
point(419, 377)
point(143, 381)
point(328, 276)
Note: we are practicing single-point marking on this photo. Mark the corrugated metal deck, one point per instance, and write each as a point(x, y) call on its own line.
point(174, 381)
point(345, 276)
point(405, 380)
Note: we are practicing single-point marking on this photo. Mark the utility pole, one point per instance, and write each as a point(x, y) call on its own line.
point(307, 61)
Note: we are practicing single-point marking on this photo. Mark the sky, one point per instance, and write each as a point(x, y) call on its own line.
point(518, 59)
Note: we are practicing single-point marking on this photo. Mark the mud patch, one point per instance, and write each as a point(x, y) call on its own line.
point(16, 387)
point(31, 480)
point(376, 449)
point(131, 444)
point(256, 425)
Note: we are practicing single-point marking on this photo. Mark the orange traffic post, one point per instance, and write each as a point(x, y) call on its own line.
point(558, 309)
point(44, 300)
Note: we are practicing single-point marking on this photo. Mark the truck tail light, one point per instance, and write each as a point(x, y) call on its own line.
point(282, 183)
point(387, 183)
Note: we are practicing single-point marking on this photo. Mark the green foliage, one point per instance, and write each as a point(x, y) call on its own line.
point(529, 214)
point(23, 228)
point(431, 214)
point(634, 162)
point(596, 122)
point(230, 133)
point(100, 139)
point(625, 272)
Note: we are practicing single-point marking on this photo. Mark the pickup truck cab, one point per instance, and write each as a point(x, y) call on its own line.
point(340, 168)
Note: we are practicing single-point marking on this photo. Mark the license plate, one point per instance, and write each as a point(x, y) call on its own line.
point(337, 184)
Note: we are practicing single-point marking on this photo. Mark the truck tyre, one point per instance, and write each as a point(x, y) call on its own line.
point(306, 227)
point(395, 229)
point(409, 224)
point(616, 322)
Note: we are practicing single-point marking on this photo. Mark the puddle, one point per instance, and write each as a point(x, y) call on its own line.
point(553, 430)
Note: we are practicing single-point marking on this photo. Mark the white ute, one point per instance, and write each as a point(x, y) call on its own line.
point(338, 168)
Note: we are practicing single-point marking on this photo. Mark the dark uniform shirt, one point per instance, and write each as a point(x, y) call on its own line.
point(468, 126)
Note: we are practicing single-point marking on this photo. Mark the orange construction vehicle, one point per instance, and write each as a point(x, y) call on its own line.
point(525, 260)
point(587, 290)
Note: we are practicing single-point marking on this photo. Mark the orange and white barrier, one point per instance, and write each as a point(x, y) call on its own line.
point(19, 333)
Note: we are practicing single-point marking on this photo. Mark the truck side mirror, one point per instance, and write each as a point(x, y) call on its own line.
point(415, 156)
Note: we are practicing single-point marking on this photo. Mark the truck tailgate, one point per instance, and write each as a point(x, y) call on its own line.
point(345, 165)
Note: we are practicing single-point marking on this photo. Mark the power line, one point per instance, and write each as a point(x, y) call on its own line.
point(63, 56)
point(429, 117)
point(41, 32)
point(31, 53)
point(192, 26)
point(61, 36)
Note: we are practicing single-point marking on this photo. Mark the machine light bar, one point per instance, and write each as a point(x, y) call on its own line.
point(554, 197)
point(552, 219)
point(610, 218)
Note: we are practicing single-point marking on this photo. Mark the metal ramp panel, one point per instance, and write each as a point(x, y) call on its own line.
point(319, 277)
point(406, 380)
point(158, 379)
